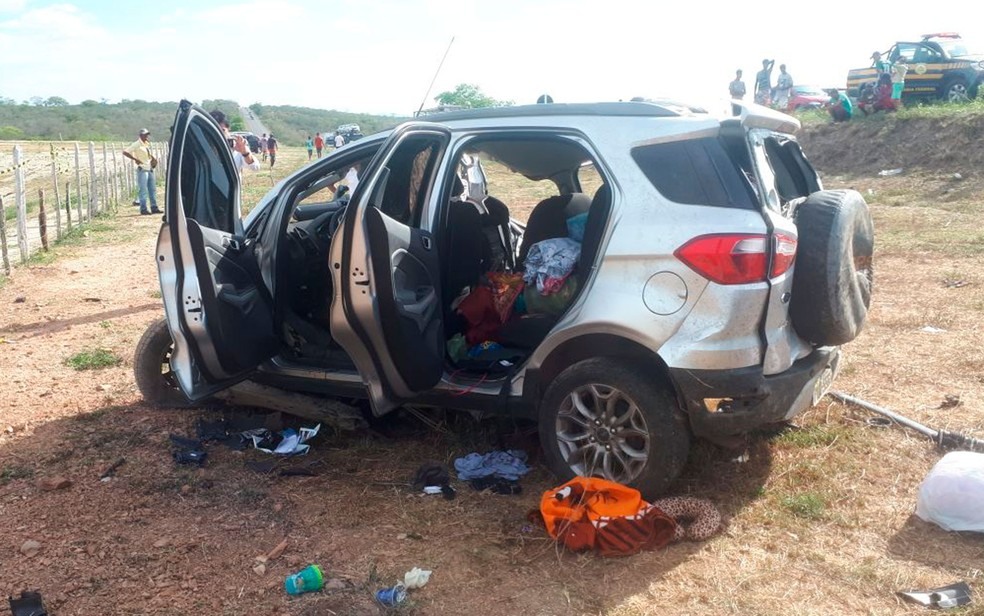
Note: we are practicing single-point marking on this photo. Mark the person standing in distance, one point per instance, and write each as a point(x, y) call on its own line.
point(310, 146)
point(272, 149)
point(339, 141)
point(763, 83)
point(139, 152)
point(263, 145)
point(319, 143)
point(737, 87)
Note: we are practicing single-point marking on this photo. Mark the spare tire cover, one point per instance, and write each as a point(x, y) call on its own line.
point(833, 274)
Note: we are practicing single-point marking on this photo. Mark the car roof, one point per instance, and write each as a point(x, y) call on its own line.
point(660, 109)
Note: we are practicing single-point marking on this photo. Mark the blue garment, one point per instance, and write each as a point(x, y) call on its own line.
point(551, 259)
point(506, 464)
point(146, 186)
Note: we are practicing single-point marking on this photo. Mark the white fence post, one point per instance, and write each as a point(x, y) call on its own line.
point(54, 180)
point(20, 201)
point(78, 185)
point(93, 182)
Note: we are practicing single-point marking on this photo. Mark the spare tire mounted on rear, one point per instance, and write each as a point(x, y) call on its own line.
point(833, 275)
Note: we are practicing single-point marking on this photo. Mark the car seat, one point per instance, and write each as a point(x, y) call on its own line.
point(529, 331)
point(548, 220)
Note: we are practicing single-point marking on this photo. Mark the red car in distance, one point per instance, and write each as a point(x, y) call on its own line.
point(806, 97)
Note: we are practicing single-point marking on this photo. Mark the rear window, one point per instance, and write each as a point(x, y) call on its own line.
point(695, 171)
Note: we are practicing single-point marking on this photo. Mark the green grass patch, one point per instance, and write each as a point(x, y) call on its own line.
point(93, 360)
point(808, 505)
point(9, 473)
point(812, 436)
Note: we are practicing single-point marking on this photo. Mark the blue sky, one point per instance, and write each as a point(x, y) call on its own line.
point(379, 55)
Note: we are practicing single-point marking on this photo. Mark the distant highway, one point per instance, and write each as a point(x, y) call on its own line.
point(253, 123)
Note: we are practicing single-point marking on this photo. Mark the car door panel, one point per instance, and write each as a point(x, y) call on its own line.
point(386, 311)
point(219, 314)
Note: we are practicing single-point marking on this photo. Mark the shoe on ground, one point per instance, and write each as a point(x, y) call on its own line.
point(156, 211)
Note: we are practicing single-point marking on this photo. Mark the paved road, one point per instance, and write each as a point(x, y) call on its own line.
point(253, 123)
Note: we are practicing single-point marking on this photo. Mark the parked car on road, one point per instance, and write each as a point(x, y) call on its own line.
point(714, 282)
point(942, 66)
point(806, 97)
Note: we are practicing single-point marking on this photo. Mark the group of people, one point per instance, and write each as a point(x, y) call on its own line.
point(140, 153)
point(317, 142)
point(765, 93)
point(268, 148)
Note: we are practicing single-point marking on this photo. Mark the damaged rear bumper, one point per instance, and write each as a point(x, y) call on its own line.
point(731, 402)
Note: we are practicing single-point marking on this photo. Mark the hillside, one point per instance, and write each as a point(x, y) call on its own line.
point(95, 121)
point(292, 124)
point(933, 140)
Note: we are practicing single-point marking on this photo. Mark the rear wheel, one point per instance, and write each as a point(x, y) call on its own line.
point(605, 418)
point(152, 368)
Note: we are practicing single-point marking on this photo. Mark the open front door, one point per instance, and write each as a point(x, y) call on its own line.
point(387, 311)
point(219, 313)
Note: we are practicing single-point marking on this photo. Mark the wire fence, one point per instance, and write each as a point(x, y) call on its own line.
point(48, 188)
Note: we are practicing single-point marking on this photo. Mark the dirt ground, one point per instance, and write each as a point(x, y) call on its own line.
point(819, 519)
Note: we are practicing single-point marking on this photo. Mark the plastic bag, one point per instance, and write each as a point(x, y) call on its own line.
point(952, 494)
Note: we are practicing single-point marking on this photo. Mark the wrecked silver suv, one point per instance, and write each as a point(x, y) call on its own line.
point(713, 282)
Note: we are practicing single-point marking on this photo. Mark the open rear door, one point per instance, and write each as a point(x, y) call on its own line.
point(387, 311)
point(218, 311)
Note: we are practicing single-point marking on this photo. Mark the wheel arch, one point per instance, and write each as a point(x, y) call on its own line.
point(589, 346)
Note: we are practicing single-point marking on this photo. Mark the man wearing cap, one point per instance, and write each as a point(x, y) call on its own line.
point(139, 152)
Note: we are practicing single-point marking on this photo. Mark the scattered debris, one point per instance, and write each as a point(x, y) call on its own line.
point(949, 401)
point(30, 548)
point(392, 596)
point(890, 172)
point(957, 176)
point(162, 542)
point(414, 536)
point(260, 569)
point(945, 597)
point(943, 438)
point(308, 579)
point(496, 485)
point(929, 329)
point(111, 469)
point(188, 450)
point(277, 551)
point(505, 464)
point(416, 578)
point(952, 494)
point(744, 457)
point(292, 442)
point(20, 299)
point(951, 283)
point(29, 604)
point(91, 299)
point(50, 484)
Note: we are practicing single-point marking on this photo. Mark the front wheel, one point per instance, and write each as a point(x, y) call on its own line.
point(955, 91)
point(152, 368)
point(608, 418)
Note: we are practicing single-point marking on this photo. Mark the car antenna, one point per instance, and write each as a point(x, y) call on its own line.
point(436, 73)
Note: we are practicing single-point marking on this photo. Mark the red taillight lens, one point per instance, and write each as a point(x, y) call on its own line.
point(737, 258)
point(784, 255)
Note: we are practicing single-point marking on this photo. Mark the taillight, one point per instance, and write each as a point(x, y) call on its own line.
point(737, 258)
point(784, 254)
